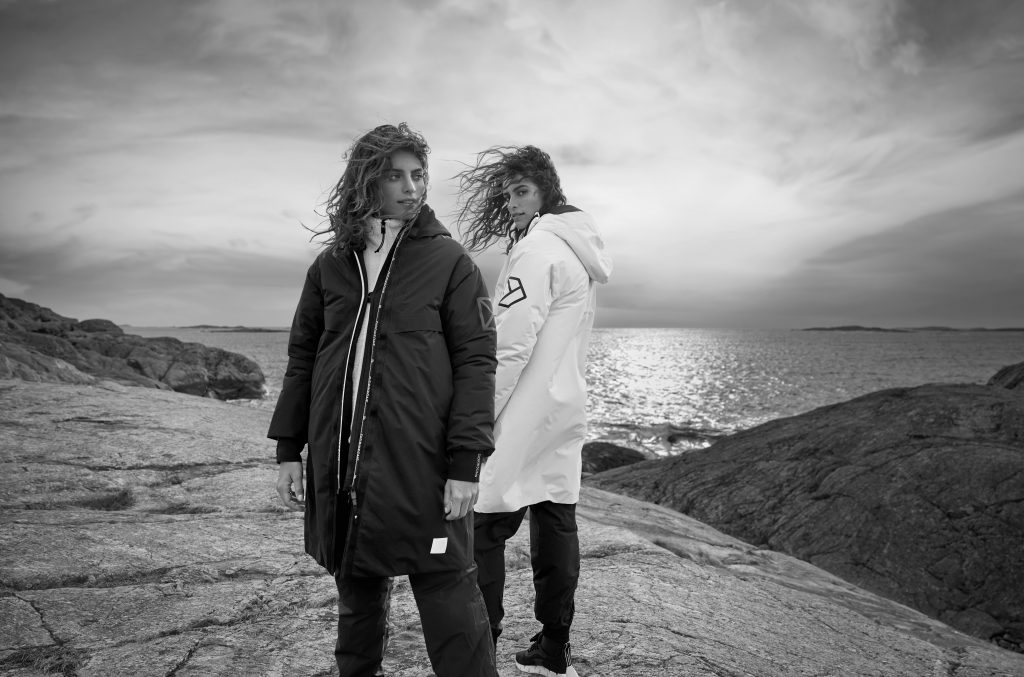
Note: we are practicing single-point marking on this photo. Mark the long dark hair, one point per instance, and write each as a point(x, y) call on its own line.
point(357, 193)
point(482, 216)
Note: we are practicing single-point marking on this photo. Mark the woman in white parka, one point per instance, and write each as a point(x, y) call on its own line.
point(543, 305)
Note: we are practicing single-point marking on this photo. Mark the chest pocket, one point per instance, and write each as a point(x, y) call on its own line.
point(420, 320)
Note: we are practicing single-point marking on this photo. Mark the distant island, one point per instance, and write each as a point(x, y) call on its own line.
point(853, 327)
point(857, 327)
point(214, 328)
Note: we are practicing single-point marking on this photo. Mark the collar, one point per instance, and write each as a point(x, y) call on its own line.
point(380, 232)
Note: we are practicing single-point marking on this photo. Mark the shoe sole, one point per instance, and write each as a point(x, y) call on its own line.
point(541, 670)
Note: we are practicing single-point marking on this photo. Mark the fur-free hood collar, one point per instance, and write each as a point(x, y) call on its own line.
point(578, 230)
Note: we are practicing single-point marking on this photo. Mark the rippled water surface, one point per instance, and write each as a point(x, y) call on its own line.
point(667, 390)
point(652, 385)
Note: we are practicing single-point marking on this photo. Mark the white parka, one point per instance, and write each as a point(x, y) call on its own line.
point(544, 309)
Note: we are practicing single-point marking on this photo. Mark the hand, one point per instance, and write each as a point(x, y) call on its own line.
point(459, 498)
point(290, 486)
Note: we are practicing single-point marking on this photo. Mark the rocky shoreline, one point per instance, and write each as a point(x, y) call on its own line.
point(37, 344)
point(141, 536)
point(916, 494)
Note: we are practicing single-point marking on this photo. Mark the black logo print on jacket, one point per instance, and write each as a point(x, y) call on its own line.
point(516, 293)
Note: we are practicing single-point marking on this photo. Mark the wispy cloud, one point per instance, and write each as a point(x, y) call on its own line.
point(733, 152)
point(914, 273)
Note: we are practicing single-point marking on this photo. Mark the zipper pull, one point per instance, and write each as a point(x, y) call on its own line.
point(383, 231)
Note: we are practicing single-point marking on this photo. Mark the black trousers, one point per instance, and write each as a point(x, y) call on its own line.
point(554, 555)
point(453, 616)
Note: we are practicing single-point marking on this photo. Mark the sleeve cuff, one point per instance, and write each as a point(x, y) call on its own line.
point(465, 466)
point(289, 450)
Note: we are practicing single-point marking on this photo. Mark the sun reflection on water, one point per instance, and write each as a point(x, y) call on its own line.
point(669, 390)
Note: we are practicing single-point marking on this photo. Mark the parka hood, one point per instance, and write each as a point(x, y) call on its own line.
point(427, 225)
point(577, 229)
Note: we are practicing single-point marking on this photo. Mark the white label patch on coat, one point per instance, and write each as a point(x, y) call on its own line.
point(439, 546)
point(516, 293)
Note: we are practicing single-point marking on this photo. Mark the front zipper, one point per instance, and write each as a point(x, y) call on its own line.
point(344, 375)
point(369, 380)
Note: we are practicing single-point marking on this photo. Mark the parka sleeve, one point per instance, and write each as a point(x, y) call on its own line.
point(520, 311)
point(290, 422)
point(469, 334)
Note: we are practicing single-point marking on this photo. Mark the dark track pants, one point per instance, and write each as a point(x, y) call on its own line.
point(554, 555)
point(452, 614)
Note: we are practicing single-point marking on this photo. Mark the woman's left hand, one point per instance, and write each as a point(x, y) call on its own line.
point(459, 498)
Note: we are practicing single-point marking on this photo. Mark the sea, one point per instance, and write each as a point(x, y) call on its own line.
point(667, 391)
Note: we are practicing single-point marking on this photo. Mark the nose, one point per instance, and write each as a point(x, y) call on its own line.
point(408, 185)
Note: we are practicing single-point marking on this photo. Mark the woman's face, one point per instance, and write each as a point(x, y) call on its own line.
point(403, 187)
point(523, 199)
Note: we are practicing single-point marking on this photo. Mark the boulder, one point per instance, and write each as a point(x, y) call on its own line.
point(142, 536)
point(913, 493)
point(1011, 377)
point(601, 456)
point(37, 344)
point(97, 326)
point(18, 315)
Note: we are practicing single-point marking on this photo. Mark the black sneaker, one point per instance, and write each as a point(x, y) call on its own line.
point(540, 662)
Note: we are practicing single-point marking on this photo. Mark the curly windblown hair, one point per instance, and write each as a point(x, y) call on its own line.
point(482, 216)
point(357, 193)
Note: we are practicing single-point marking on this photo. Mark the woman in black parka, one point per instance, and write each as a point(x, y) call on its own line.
point(390, 386)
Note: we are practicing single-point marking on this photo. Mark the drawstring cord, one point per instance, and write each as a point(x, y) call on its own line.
point(383, 230)
point(384, 227)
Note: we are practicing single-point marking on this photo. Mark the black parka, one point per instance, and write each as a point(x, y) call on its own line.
point(423, 413)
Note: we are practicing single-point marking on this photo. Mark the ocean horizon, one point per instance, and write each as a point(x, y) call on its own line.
point(669, 390)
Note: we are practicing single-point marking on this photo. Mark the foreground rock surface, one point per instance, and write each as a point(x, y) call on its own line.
point(914, 493)
point(37, 344)
point(141, 536)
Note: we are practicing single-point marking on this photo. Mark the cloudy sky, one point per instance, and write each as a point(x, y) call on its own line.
point(752, 164)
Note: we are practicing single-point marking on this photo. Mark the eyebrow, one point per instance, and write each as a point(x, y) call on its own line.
point(512, 186)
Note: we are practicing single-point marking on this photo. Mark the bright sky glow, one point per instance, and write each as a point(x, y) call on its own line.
point(752, 164)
